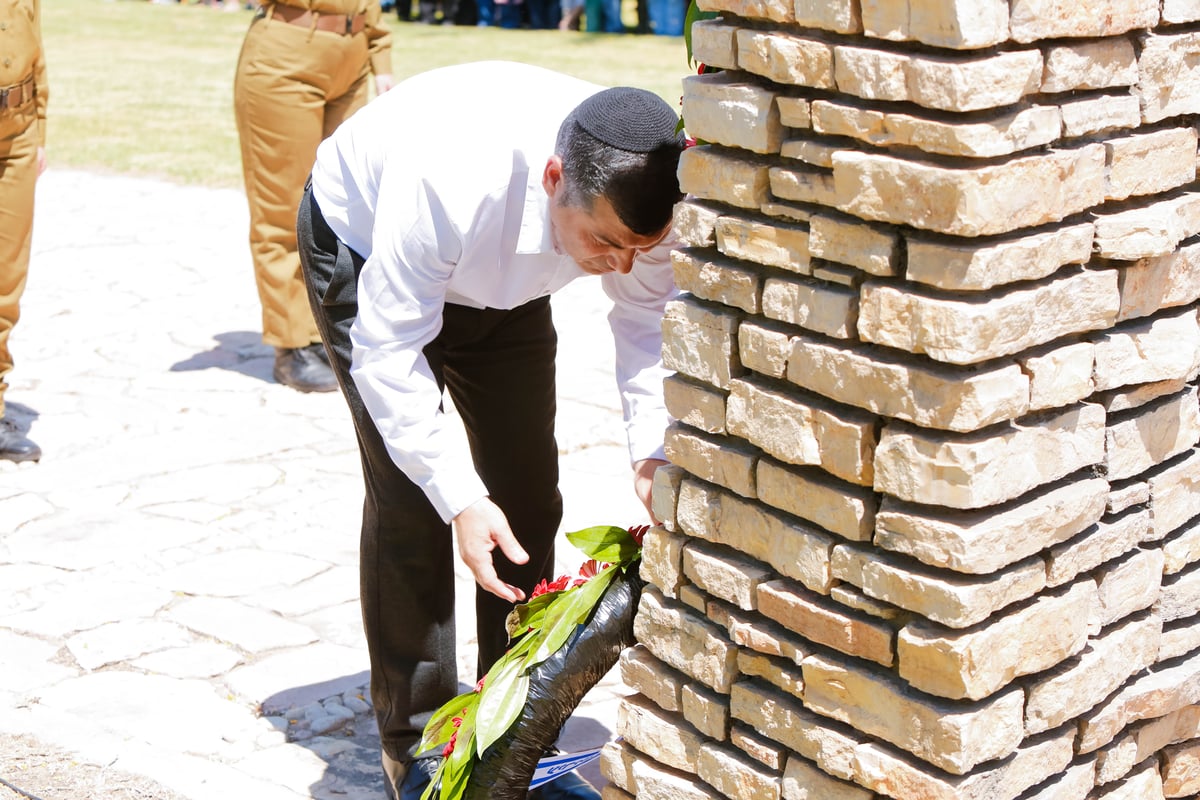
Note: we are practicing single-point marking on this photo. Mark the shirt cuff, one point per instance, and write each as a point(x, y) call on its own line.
point(453, 495)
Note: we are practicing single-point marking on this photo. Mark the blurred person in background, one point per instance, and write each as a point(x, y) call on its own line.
point(23, 96)
point(304, 69)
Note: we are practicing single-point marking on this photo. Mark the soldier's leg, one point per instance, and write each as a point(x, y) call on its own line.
point(18, 176)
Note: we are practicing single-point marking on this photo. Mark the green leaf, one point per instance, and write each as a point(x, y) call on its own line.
point(529, 614)
point(456, 768)
point(565, 614)
point(606, 543)
point(441, 725)
point(501, 700)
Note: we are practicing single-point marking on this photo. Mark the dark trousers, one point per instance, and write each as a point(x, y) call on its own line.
point(498, 368)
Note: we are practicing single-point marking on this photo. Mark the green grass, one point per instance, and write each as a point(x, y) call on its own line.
point(144, 89)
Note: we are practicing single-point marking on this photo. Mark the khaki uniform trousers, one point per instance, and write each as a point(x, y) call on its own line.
point(18, 176)
point(294, 86)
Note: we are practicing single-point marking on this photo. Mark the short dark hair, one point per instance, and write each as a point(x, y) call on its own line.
point(641, 185)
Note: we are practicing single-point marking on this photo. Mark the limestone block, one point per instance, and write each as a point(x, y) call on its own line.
point(835, 506)
point(613, 792)
point(656, 783)
point(1075, 783)
point(1033, 762)
point(1059, 376)
point(1148, 163)
point(1182, 548)
point(944, 23)
point(1160, 282)
point(714, 42)
point(837, 273)
point(804, 185)
point(1077, 686)
point(813, 305)
point(822, 621)
point(794, 111)
point(779, 672)
point(982, 542)
point(754, 632)
point(686, 641)
point(794, 549)
point(802, 780)
point(1181, 770)
point(872, 249)
point(693, 597)
point(701, 341)
point(1164, 348)
point(645, 674)
point(707, 711)
point(696, 404)
point(970, 265)
point(770, 754)
point(1098, 64)
point(719, 459)
point(662, 560)
point(774, 10)
point(1096, 114)
point(765, 350)
point(974, 201)
point(1180, 597)
point(1032, 20)
point(924, 392)
point(954, 600)
point(1151, 230)
point(774, 244)
point(1169, 75)
point(658, 734)
point(989, 467)
point(1111, 538)
point(1145, 784)
point(1174, 728)
point(723, 109)
point(1127, 495)
point(664, 494)
point(1175, 493)
point(1000, 135)
point(804, 432)
point(736, 776)
point(616, 764)
point(975, 664)
point(1129, 584)
point(969, 331)
point(851, 596)
point(815, 152)
point(696, 223)
point(780, 717)
point(1175, 11)
point(953, 736)
point(720, 280)
point(842, 16)
point(712, 175)
point(1139, 439)
point(1117, 760)
point(968, 83)
point(785, 58)
point(1179, 638)
point(725, 574)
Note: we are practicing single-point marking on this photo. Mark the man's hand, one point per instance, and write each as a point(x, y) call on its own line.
point(481, 528)
point(643, 482)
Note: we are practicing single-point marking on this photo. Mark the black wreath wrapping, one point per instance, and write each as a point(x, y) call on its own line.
point(556, 687)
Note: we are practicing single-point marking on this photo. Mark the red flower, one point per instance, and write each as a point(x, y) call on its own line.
point(591, 568)
point(700, 70)
point(638, 532)
point(560, 583)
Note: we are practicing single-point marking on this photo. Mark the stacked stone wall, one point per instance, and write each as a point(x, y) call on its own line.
point(932, 525)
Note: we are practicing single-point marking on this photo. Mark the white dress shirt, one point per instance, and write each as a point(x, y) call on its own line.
point(438, 185)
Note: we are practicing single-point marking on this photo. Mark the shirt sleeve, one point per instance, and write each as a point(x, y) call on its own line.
point(402, 290)
point(639, 299)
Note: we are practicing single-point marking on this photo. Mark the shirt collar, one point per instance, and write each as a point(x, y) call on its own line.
point(536, 236)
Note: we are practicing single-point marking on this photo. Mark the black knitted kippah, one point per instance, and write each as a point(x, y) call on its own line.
point(629, 119)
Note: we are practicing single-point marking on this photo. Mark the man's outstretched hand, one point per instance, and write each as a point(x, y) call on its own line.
point(481, 528)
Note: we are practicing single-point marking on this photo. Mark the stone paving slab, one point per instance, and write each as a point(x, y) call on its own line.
point(184, 557)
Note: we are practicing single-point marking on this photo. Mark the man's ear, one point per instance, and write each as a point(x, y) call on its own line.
point(552, 176)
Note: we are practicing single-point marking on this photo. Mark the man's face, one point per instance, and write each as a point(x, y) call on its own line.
point(596, 239)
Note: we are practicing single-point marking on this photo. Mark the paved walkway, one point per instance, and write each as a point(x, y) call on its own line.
point(178, 590)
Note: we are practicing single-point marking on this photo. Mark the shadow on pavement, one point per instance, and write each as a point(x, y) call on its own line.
point(236, 351)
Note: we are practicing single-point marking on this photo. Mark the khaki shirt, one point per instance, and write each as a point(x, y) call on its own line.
point(378, 35)
point(21, 52)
